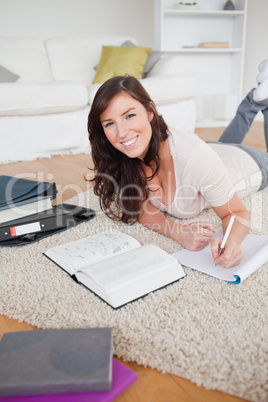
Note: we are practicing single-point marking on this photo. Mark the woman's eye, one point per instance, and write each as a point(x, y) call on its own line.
point(130, 115)
point(108, 124)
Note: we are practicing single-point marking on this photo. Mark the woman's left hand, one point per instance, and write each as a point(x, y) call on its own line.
point(231, 255)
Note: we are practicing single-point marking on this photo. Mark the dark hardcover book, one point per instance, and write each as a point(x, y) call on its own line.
point(26, 209)
point(16, 191)
point(122, 378)
point(56, 361)
point(22, 197)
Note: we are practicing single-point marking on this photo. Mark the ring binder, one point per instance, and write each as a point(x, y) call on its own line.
point(35, 227)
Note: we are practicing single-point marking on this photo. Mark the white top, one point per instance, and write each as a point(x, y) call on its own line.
point(207, 175)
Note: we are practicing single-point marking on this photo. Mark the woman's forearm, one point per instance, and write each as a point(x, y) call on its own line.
point(193, 236)
point(241, 224)
point(156, 221)
point(240, 227)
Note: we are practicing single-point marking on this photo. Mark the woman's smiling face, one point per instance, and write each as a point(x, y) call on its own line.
point(126, 124)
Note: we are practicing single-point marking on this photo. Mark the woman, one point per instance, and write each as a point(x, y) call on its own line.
point(143, 168)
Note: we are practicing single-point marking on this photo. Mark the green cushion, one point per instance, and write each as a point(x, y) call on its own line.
point(120, 61)
point(153, 57)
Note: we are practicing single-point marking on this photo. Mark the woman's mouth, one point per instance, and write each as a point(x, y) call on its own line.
point(130, 142)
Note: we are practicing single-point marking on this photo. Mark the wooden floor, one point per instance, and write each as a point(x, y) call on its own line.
point(68, 172)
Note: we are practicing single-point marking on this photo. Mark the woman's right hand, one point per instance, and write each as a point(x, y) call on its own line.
point(193, 236)
point(196, 235)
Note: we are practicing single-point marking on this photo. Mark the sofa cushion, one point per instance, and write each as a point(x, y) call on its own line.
point(7, 76)
point(73, 59)
point(163, 89)
point(120, 61)
point(25, 57)
point(153, 57)
point(20, 99)
point(169, 65)
point(170, 88)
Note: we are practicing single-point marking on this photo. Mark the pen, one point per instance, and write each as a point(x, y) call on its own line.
point(226, 234)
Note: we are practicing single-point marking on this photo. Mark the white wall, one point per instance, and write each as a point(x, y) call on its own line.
point(49, 18)
point(256, 41)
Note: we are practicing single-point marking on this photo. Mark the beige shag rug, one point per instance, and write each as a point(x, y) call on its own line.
point(200, 328)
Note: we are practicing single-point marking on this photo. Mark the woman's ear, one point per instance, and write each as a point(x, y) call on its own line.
point(152, 112)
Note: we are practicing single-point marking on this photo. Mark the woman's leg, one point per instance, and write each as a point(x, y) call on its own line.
point(261, 158)
point(265, 114)
point(246, 112)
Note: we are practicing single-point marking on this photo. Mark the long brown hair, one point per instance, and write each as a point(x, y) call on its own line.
point(120, 181)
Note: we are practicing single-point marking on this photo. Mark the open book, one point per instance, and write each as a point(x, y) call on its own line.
point(116, 267)
point(255, 254)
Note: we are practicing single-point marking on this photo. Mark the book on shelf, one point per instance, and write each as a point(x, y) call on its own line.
point(55, 361)
point(122, 378)
point(22, 197)
point(255, 254)
point(115, 266)
point(213, 45)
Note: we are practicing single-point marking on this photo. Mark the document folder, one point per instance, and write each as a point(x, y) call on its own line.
point(35, 227)
point(16, 191)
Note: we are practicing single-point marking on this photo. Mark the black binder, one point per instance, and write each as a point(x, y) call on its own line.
point(35, 227)
point(16, 191)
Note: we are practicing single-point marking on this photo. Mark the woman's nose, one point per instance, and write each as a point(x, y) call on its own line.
point(122, 130)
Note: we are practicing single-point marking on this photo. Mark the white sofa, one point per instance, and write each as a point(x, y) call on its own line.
point(44, 112)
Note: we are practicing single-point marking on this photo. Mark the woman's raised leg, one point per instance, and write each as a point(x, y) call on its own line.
point(255, 101)
point(246, 113)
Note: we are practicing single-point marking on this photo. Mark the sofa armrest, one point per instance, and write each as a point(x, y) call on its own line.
point(167, 89)
point(169, 65)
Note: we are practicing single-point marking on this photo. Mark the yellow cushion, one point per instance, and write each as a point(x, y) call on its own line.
point(120, 61)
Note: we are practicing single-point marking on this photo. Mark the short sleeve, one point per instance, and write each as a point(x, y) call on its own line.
point(210, 176)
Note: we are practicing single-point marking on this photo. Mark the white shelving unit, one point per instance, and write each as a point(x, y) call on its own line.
point(219, 70)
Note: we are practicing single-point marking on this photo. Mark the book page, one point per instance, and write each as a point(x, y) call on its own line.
point(129, 267)
point(81, 253)
point(255, 254)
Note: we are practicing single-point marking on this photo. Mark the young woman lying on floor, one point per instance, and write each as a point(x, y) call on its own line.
point(145, 169)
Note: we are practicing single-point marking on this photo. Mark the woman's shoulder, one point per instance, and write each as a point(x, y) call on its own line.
point(196, 160)
point(185, 143)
